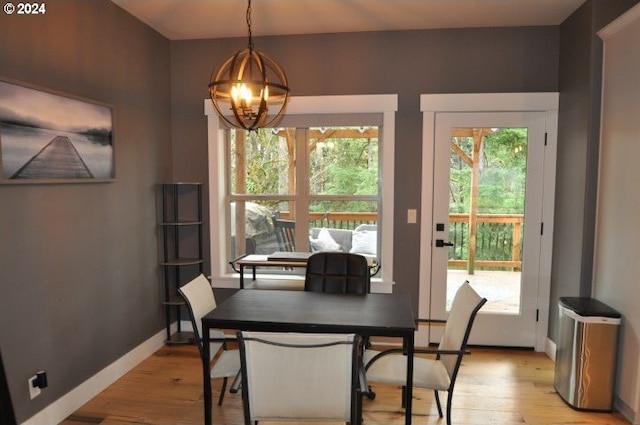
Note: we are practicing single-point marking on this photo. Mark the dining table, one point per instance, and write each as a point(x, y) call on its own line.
point(367, 315)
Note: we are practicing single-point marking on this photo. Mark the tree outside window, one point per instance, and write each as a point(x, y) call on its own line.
point(318, 177)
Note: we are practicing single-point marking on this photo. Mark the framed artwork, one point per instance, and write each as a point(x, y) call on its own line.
point(48, 137)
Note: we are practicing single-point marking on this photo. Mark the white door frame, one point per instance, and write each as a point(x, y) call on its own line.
point(430, 104)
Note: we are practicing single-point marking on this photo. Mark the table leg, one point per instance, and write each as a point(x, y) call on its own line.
point(241, 276)
point(206, 372)
point(409, 392)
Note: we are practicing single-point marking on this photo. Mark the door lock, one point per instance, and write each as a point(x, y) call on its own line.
point(441, 243)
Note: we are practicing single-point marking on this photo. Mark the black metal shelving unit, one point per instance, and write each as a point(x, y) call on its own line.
point(182, 258)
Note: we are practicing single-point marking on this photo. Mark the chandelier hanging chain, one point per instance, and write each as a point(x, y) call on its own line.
point(248, 18)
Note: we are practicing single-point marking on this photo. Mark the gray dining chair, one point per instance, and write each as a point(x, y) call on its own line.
point(200, 299)
point(301, 376)
point(337, 272)
point(439, 373)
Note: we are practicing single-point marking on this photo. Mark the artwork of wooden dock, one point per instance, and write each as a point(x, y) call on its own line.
point(59, 159)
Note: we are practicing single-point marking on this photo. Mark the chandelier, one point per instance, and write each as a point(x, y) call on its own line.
point(251, 86)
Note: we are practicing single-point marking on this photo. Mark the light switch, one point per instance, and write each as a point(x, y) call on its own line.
point(412, 216)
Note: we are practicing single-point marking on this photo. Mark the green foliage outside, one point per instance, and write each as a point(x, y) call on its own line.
point(265, 163)
point(348, 167)
point(337, 167)
point(503, 162)
point(502, 173)
point(343, 167)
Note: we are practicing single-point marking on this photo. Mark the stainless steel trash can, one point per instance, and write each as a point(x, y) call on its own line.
point(586, 353)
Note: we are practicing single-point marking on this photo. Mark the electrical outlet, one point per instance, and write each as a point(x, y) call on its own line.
point(34, 391)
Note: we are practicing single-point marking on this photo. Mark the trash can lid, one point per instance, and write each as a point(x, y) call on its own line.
point(585, 306)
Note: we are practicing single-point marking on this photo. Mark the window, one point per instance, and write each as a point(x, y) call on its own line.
point(329, 165)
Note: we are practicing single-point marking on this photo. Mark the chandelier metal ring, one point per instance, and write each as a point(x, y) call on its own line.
point(250, 89)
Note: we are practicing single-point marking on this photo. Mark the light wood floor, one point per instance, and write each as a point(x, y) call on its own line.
point(494, 387)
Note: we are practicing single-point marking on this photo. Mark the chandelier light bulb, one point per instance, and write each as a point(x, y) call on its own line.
point(242, 96)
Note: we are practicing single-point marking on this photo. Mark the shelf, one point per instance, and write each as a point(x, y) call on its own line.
point(182, 223)
point(180, 218)
point(182, 261)
point(180, 183)
point(181, 338)
point(175, 300)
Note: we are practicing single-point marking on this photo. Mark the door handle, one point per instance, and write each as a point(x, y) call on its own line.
point(441, 243)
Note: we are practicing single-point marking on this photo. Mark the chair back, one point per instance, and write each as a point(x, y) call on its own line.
point(299, 376)
point(466, 304)
point(337, 272)
point(285, 234)
point(200, 300)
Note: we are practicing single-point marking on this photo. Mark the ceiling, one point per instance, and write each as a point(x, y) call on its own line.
point(197, 19)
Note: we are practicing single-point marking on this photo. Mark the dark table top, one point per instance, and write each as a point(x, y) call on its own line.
point(300, 311)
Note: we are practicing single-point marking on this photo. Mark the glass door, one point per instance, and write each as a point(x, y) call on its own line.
point(487, 215)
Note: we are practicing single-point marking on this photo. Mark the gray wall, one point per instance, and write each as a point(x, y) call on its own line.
point(615, 275)
point(78, 262)
point(407, 63)
point(578, 145)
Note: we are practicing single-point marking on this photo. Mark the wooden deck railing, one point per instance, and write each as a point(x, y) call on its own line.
point(342, 220)
point(498, 237)
point(338, 219)
point(498, 241)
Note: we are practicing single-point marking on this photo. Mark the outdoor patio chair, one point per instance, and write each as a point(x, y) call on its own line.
point(285, 234)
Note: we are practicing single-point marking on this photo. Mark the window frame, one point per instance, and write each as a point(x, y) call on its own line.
point(387, 105)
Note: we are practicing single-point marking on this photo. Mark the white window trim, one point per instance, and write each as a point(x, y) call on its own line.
point(387, 104)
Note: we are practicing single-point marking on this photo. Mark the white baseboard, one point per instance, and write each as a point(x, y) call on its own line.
point(186, 326)
point(550, 349)
point(625, 410)
point(60, 409)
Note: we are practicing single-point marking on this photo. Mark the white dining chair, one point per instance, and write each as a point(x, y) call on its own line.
point(439, 373)
point(301, 376)
point(200, 299)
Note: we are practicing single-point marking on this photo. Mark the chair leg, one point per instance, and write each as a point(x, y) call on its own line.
point(371, 395)
point(449, 397)
point(222, 390)
point(356, 418)
point(404, 396)
point(438, 402)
